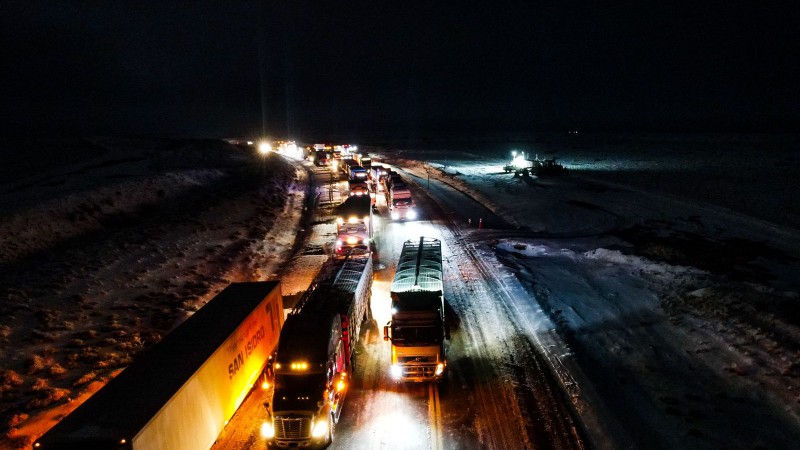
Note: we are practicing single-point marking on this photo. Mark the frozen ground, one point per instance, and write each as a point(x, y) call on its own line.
point(669, 266)
point(107, 244)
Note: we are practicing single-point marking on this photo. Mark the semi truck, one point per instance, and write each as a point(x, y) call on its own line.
point(418, 330)
point(316, 356)
point(400, 202)
point(354, 226)
point(180, 393)
point(361, 188)
point(351, 168)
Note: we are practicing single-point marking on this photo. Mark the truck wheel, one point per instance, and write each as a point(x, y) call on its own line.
point(331, 430)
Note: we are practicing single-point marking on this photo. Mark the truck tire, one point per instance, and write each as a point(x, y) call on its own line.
point(331, 431)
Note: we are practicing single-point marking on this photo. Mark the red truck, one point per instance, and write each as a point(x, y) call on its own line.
point(316, 356)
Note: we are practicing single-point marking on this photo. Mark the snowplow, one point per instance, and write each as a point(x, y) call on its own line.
point(522, 165)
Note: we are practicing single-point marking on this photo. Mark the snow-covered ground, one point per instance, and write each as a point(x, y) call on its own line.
point(106, 244)
point(669, 266)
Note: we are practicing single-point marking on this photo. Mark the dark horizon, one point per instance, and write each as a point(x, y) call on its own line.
point(420, 70)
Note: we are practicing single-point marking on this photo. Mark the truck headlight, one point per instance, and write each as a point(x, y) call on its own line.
point(395, 215)
point(439, 369)
point(320, 428)
point(411, 214)
point(396, 371)
point(267, 430)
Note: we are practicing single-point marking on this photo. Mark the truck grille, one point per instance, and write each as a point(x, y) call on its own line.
point(416, 359)
point(419, 371)
point(292, 427)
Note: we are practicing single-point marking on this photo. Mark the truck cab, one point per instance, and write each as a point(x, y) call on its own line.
point(310, 382)
point(401, 203)
point(354, 226)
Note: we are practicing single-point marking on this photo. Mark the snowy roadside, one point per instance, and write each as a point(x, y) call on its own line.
point(126, 245)
point(680, 314)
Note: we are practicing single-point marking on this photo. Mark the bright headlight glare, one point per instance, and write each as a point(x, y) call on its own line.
point(396, 371)
point(267, 430)
point(439, 369)
point(411, 214)
point(395, 215)
point(320, 428)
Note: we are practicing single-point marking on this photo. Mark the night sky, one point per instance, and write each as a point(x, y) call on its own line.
point(397, 69)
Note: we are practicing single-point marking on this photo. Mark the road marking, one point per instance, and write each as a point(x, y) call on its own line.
point(435, 417)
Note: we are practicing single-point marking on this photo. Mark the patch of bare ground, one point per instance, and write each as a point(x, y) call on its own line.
point(79, 310)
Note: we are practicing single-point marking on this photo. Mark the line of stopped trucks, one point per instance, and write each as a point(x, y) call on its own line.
point(182, 391)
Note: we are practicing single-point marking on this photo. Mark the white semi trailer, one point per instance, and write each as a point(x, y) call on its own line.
point(180, 393)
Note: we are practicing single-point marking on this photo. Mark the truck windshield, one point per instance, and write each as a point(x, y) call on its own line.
point(298, 392)
point(416, 335)
point(401, 202)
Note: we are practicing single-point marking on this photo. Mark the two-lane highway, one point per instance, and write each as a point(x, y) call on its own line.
point(498, 394)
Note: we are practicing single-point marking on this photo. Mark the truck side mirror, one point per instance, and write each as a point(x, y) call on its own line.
point(386, 333)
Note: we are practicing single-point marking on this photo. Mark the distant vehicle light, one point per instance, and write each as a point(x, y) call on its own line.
point(339, 220)
point(340, 385)
point(353, 219)
point(320, 428)
point(264, 148)
point(299, 366)
point(439, 369)
point(396, 371)
point(267, 430)
point(277, 365)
